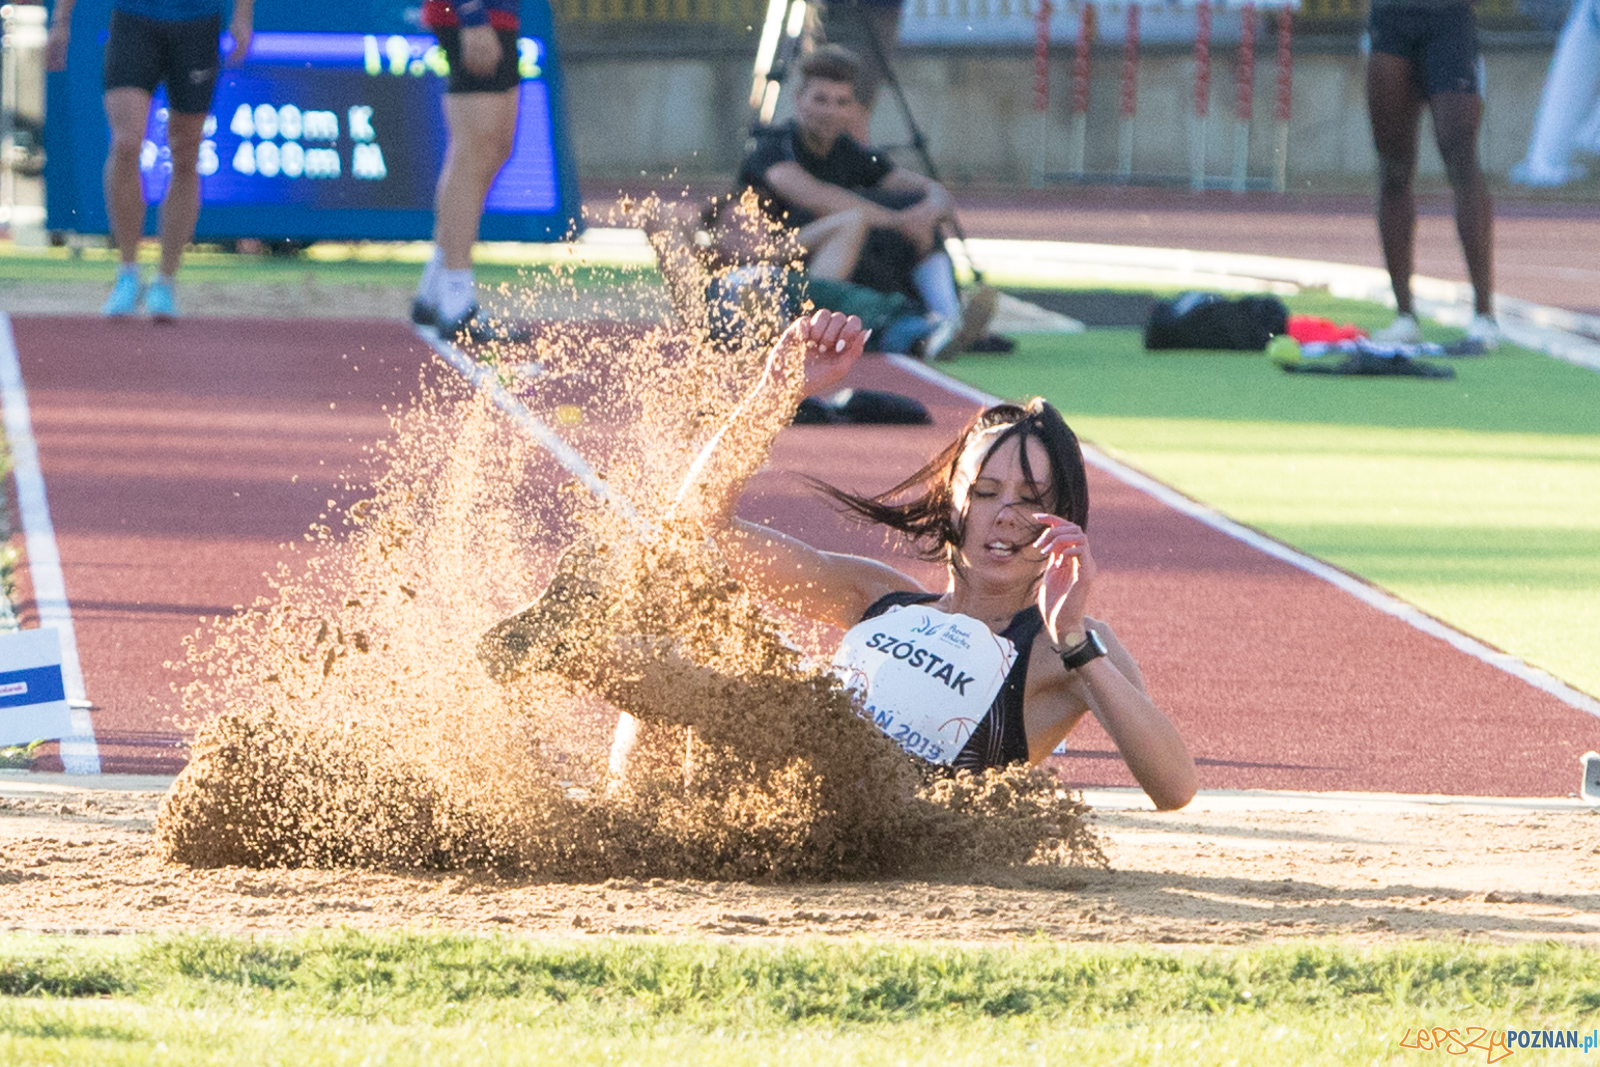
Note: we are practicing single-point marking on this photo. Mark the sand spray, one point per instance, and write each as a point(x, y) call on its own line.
point(356, 715)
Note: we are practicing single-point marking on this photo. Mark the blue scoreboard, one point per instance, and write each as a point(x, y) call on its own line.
point(331, 128)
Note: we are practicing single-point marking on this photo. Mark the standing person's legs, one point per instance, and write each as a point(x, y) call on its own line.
point(1395, 106)
point(133, 61)
point(482, 126)
point(141, 54)
point(480, 116)
point(180, 209)
point(126, 112)
point(1456, 117)
point(1452, 69)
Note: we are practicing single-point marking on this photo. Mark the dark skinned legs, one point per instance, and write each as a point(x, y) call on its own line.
point(1456, 117)
point(1395, 106)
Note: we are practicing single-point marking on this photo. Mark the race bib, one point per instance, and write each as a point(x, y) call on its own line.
point(924, 677)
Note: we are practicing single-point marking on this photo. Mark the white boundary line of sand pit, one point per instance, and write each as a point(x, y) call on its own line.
point(482, 377)
point(22, 785)
point(1348, 583)
point(26, 785)
point(1129, 798)
point(80, 753)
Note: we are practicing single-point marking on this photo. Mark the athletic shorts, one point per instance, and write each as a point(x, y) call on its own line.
point(506, 75)
point(1440, 43)
point(142, 53)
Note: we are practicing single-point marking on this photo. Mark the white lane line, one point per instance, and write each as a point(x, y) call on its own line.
point(483, 378)
point(1127, 798)
point(80, 754)
point(1356, 587)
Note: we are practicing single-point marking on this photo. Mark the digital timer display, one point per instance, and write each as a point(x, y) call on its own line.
point(322, 134)
point(334, 120)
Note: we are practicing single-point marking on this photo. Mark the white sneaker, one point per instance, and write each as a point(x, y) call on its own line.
point(1484, 332)
point(457, 301)
point(1402, 331)
point(425, 305)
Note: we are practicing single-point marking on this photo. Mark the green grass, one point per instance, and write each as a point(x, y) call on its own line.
point(411, 998)
point(1477, 499)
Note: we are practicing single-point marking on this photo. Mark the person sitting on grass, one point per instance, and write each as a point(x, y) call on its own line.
point(995, 669)
point(751, 273)
point(810, 173)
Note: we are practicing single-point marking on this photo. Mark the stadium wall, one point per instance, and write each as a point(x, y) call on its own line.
point(679, 115)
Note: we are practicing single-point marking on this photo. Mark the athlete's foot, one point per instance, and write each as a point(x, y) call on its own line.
point(1484, 333)
point(161, 301)
point(1533, 175)
point(423, 313)
point(557, 630)
point(126, 295)
point(1402, 331)
point(478, 329)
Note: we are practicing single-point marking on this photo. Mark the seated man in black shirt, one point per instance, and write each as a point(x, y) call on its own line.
point(811, 174)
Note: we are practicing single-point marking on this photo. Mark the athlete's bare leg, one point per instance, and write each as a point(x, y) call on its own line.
point(1395, 107)
point(481, 127)
point(126, 112)
point(1456, 118)
point(180, 209)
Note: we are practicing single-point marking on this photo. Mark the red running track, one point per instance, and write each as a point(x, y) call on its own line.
point(178, 460)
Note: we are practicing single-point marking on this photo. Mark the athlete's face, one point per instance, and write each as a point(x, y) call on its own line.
point(998, 504)
point(824, 109)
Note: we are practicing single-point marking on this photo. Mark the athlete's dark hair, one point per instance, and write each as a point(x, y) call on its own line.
point(926, 518)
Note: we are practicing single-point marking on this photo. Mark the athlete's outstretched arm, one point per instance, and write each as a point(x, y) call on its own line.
point(814, 354)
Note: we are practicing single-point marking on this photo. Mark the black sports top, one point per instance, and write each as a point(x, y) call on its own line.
point(1001, 736)
point(847, 164)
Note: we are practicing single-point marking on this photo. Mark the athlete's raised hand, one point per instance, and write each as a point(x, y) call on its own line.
point(822, 347)
point(1068, 574)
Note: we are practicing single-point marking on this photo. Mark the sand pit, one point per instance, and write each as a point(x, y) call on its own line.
point(80, 860)
point(84, 859)
point(329, 718)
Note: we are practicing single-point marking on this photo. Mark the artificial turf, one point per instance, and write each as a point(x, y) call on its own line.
point(1476, 499)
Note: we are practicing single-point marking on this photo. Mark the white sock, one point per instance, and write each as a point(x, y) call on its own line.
point(168, 280)
point(458, 294)
point(428, 286)
point(935, 280)
point(129, 270)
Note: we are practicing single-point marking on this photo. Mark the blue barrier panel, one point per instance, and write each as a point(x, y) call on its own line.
point(332, 128)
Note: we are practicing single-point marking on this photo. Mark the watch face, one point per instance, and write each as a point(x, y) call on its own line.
point(1091, 649)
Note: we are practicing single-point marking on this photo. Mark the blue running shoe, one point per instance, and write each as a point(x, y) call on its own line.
point(125, 296)
point(161, 301)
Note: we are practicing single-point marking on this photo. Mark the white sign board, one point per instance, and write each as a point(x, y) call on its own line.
point(33, 699)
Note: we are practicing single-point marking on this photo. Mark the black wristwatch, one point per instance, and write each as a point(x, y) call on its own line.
point(1077, 656)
